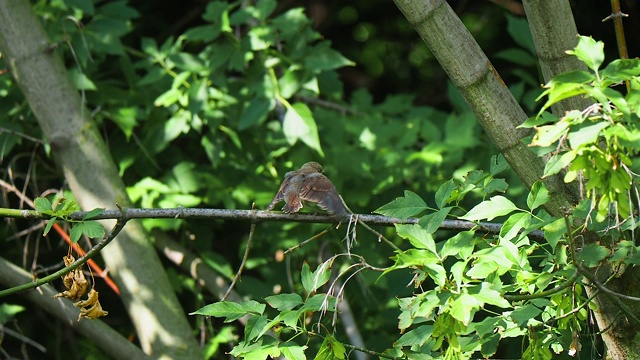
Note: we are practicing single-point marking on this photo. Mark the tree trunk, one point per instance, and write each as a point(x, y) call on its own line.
point(499, 114)
point(554, 32)
point(81, 153)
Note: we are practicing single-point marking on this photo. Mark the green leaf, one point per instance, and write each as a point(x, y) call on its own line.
point(431, 222)
point(419, 237)
point(543, 118)
point(319, 302)
point(498, 164)
point(283, 302)
point(43, 205)
point(444, 193)
point(523, 315)
point(93, 213)
point(322, 57)
point(331, 349)
point(489, 209)
point(495, 185)
point(50, 223)
point(417, 336)
point(512, 226)
point(91, 228)
point(539, 195)
point(299, 124)
point(7, 311)
point(76, 232)
point(231, 310)
point(256, 325)
point(549, 134)
point(586, 134)
point(464, 307)
point(256, 112)
point(560, 92)
point(311, 281)
point(292, 351)
point(620, 70)
point(592, 254)
point(589, 51)
point(81, 81)
point(484, 293)
point(461, 244)
point(403, 207)
point(557, 162)
point(187, 62)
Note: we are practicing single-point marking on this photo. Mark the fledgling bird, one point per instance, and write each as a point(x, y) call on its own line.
point(309, 184)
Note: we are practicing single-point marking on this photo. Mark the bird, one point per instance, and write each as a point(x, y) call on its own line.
point(308, 184)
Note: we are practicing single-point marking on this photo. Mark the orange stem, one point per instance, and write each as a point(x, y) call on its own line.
point(92, 264)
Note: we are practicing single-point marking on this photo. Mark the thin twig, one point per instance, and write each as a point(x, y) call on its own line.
point(260, 215)
point(613, 296)
point(91, 253)
point(244, 259)
point(314, 237)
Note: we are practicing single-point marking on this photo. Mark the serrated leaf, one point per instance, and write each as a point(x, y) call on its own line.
point(50, 223)
point(548, 134)
point(431, 222)
point(322, 57)
point(331, 349)
point(299, 124)
point(444, 193)
point(283, 302)
point(93, 213)
point(92, 229)
point(592, 254)
point(523, 315)
point(514, 224)
point(489, 209)
point(256, 325)
point(586, 134)
point(311, 281)
point(76, 232)
point(589, 51)
point(417, 336)
point(292, 351)
point(43, 205)
point(231, 310)
point(419, 237)
point(487, 295)
point(539, 195)
point(498, 164)
point(464, 307)
point(403, 207)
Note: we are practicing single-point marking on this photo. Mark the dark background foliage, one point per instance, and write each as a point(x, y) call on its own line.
point(393, 123)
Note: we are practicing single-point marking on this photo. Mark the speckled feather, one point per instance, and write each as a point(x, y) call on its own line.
point(309, 184)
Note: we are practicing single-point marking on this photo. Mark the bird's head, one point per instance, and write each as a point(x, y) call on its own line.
point(311, 167)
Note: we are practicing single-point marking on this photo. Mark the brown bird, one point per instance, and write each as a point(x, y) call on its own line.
point(309, 184)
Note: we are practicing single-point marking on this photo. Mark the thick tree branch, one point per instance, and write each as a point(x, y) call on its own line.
point(103, 336)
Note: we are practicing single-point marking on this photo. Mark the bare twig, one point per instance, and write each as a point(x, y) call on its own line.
point(260, 215)
point(244, 259)
point(91, 253)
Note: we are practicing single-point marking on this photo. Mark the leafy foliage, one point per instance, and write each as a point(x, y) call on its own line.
point(596, 144)
point(216, 114)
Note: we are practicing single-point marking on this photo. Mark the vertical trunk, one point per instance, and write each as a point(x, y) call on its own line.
point(554, 32)
point(499, 114)
point(92, 175)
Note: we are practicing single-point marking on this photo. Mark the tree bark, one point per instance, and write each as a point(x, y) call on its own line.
point(554, 32)
point(482, 88)
point(81, 153)
point(107, 339)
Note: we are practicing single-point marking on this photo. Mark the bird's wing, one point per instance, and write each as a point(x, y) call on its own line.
point(283, 187)
point(318, 188)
